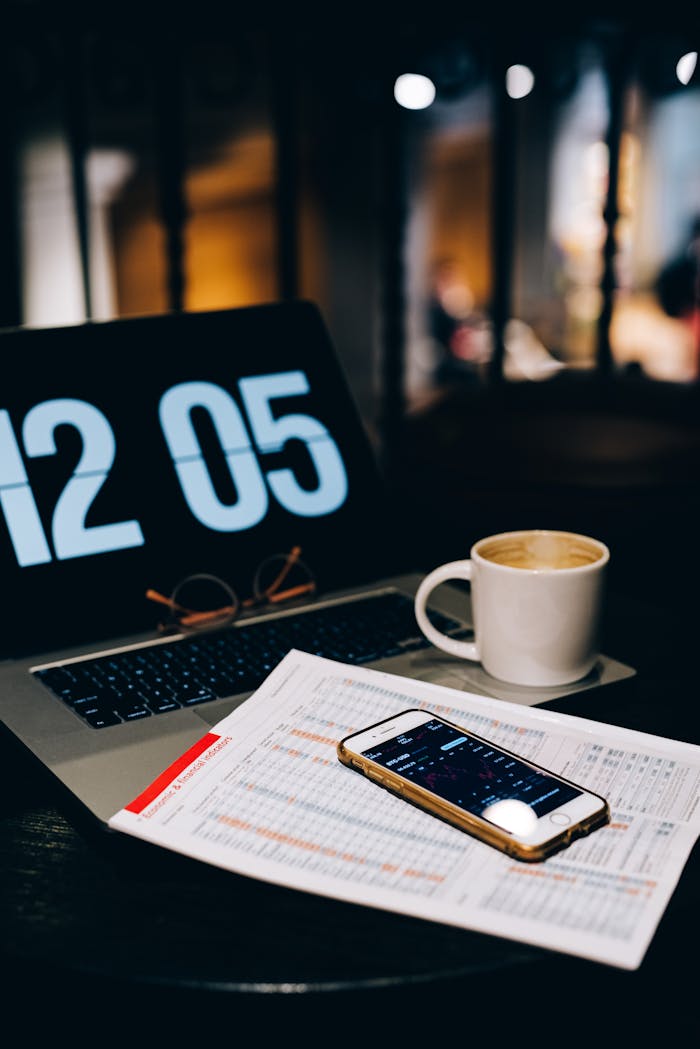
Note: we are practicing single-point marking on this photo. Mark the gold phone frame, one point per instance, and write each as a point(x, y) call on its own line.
point(460, 818)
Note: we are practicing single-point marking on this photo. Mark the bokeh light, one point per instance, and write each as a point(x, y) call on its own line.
point(414, 91)
point(520, 81)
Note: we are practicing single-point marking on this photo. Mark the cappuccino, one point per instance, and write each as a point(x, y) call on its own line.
point(541, 551)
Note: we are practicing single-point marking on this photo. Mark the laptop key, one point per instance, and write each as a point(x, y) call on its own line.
point(189, 695)
point(85, 697)
point(101, 718)
point(161, 706)
point(158, 700)
point(91, 705)
point(131, 709)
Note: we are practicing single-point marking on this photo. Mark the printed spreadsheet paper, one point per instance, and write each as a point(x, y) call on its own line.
point(263, 794)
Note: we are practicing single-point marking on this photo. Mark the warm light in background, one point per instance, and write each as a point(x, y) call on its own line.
point(414, 91)
point(520, 81)
point(685, 66)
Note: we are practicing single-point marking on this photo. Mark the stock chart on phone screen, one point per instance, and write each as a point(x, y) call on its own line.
point(468, 771)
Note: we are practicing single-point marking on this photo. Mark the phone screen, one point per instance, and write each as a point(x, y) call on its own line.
point(469, 772)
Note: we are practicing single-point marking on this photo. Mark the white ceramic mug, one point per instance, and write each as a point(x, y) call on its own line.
point(536, 599)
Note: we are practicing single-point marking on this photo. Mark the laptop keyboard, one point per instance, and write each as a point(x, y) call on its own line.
point(138, 683)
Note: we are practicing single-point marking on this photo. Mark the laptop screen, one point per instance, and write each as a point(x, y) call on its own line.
point(135, 452)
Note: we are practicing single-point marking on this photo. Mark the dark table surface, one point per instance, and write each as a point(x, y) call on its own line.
point(102, 928)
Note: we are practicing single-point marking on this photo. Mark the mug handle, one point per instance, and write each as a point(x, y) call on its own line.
point(455, 647)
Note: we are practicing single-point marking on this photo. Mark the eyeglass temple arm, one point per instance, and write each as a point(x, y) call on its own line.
point(294, 591)
point(153, 595)
point(292, 558)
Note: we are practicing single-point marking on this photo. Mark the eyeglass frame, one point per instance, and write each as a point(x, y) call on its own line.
point(193, 621)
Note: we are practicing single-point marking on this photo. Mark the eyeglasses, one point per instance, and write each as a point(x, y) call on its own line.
point(195, 603)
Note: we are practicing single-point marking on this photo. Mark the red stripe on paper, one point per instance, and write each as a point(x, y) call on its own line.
point(171, 773)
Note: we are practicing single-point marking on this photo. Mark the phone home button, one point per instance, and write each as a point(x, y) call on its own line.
point(560, 819)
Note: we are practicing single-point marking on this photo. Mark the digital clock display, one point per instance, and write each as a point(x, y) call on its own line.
point(135, 452)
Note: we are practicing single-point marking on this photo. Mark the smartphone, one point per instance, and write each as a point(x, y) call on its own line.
point(518, 807)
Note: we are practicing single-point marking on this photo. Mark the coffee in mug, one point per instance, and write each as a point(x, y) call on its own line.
point(536, 601)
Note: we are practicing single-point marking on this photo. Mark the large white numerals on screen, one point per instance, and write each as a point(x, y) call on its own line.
point(17, 501)
point(270, 435)
point(176, 420)
point(271, 431)
point(71, 536)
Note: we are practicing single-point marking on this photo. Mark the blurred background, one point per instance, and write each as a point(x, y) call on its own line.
point(497, 210)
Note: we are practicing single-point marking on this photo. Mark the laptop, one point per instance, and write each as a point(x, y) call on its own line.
point(138, 452)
